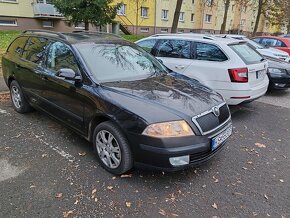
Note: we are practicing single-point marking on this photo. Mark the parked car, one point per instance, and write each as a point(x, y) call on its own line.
point(269, 51)
point(278, 73)
point(108, 90)
point(280, 43)
point(285, 36)
point(228, 66)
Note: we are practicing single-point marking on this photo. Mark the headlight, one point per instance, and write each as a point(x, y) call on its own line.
point(169, 129)
point(276, 72)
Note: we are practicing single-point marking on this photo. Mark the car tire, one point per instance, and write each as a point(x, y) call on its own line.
point(112, 148)
point(19, 102)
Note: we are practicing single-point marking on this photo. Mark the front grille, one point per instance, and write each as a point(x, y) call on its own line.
point(208, 122)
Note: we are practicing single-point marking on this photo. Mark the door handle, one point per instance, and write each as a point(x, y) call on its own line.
point(179, 67)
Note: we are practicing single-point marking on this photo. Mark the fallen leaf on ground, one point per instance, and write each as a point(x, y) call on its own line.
point(109, 187)
point(259, 145)
point(162, 212)
point(58, 195)
point(265, 196)
point(76, 202)
point(174, 215)
point(66, 214)
point(126, 176)
point(214, 206)
point(96, 199)
point(94, 191)
point(82, 154)
point(128, 204)
point(281, 180)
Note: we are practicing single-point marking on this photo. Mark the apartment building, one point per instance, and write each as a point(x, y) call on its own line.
point(141, 17)
point(31, 14)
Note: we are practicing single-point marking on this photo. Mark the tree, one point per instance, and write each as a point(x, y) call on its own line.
point(97, 12)
point(176, 16)
point(224, 24)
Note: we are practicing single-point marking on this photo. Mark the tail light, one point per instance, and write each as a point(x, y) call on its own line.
point(239, 75)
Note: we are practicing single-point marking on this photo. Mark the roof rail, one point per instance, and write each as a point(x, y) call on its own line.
point(197, 35)
point(46, 31)
point(95, 32)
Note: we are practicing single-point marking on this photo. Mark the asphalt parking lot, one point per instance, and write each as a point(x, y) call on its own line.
point(47, 170)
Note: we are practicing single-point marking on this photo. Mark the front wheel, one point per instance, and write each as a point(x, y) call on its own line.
point(112, 148)
point(19, 102)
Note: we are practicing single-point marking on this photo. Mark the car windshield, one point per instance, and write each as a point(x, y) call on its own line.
point(119, 61)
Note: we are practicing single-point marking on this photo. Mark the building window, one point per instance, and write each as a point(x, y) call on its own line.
point(44, 1)
point(208, 18)
point(243, 22)
point(192, 17)
point(181, 17)
point(144, 29)
point(80, 26)
point(244, 9)
point(209, 3)
point(192, 1)
point(8, 22)
point(122, 10)
point(164, 30)
point(9, 1)
point(180, 31)
point(144, 12)
point(47, 23)
point(164, 14)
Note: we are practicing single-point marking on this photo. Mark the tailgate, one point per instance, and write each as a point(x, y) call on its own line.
point(257, 73)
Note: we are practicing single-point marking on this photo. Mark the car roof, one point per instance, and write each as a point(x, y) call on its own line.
point(76, 37)
point(196, 36)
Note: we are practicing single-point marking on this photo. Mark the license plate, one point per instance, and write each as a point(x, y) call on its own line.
point(260, 74)
point(219, 139)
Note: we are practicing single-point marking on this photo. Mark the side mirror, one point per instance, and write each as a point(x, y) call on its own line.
point(69, 74)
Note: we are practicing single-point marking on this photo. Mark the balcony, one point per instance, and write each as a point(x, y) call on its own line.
point(42, 10)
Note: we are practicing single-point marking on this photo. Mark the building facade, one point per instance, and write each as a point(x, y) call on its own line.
point(140, 17)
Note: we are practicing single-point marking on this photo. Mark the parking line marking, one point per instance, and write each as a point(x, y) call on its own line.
point(58, 150)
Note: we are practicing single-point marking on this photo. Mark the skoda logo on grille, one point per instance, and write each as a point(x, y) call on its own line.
point(216, 111)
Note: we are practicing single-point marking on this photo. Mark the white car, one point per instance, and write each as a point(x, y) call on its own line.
point(270, 52)
point(228, 66)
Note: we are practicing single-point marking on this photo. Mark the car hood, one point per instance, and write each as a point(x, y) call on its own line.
point(166, 97)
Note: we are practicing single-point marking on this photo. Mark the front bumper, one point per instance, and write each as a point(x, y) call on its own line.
point(154, 153)
point(279, 83)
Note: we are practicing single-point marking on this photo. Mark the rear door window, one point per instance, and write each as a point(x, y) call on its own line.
point(147, 45)
point(35, 49)
point(246, 53)
point(209, 52)
point(174, 49)
point(17, 46)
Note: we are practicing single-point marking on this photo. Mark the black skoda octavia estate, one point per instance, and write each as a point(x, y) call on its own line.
point(110, 91)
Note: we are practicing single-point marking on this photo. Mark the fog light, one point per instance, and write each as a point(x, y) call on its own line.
point(179, 161)
point(281, 85)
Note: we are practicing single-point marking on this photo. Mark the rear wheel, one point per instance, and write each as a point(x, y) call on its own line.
point(112, 148)
point(18, 100)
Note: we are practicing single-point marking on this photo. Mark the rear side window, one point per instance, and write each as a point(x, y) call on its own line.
point(272, 42)
point(209, 52)
point(174, 49)
point(246, 53)
point(147, 45)
point(17, 47)
point(35, 49)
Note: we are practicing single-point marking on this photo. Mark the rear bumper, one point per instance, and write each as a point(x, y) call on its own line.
point(155, 153)
point(242, 93)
